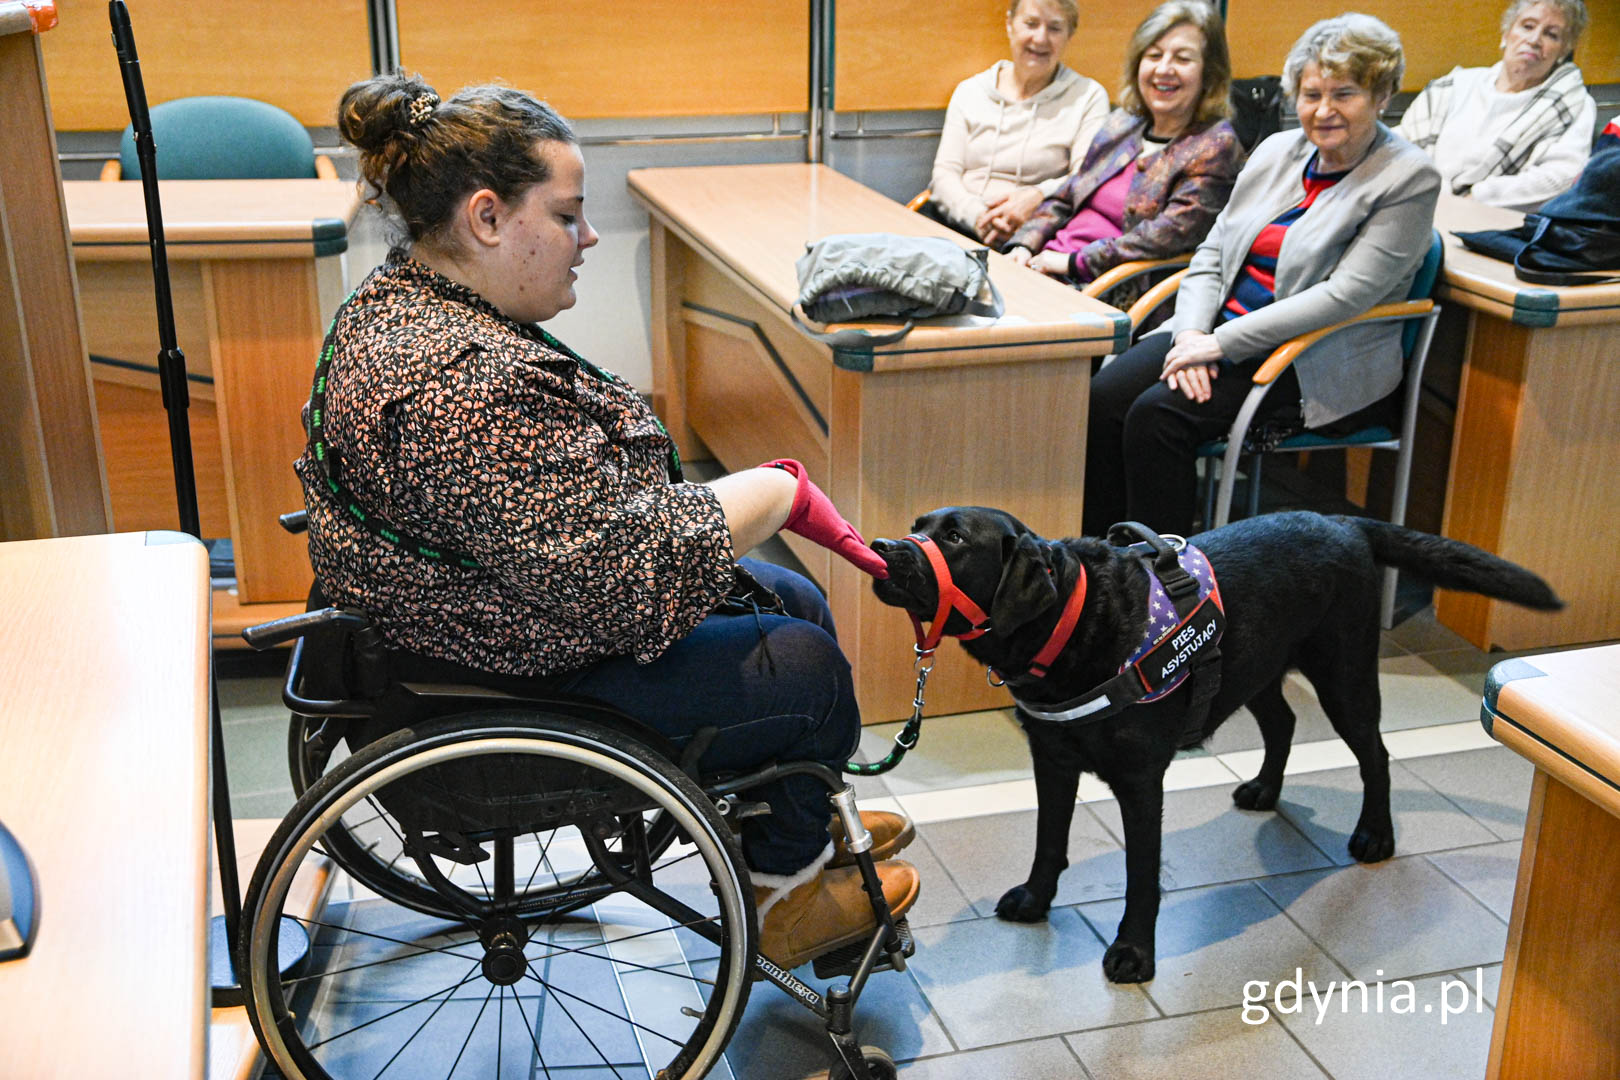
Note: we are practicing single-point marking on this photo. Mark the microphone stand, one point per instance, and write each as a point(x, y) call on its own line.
point(224, 931)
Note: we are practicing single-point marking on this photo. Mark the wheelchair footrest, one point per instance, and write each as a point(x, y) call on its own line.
point(844, 961)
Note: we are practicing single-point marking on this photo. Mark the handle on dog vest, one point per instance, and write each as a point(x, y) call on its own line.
point(1179, 585)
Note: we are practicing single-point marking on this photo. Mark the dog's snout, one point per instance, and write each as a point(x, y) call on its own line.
point(885, 547)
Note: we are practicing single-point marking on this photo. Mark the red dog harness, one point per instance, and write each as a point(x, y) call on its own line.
point(951, 599)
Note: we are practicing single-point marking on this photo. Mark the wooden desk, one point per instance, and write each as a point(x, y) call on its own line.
point(257, 270)
point(104, 780)
point(964, 410)
point(1533, 474)
point(1556, 1009)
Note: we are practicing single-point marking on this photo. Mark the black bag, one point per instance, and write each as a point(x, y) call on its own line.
point(1574, 239)
point(855, 276)
point(1256, 108)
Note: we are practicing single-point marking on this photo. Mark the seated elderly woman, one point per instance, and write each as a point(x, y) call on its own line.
point(1518, 132)
point(1162, 166)
point(591, 566)
point(1015, 132)
point(1324, 223)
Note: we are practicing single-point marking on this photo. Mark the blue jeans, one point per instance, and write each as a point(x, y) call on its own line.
point(777, 688)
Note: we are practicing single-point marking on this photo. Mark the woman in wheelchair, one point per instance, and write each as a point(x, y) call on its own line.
point(1324, 223)
point(508, 514)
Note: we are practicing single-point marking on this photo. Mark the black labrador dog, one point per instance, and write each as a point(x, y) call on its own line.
point(1300, 590)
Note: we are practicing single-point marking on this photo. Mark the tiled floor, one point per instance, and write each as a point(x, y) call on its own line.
point(1264, 914)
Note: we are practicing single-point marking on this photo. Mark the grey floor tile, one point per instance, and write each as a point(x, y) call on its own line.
point(994, 982)
point(1422, 633)
point(954, 751)
point(249, 696)
point(1489, 873)
point(1413, 1034)
point(940, 900)
point(256, 755)
point(1212, 942)
point(1491, 785)
point(1206, 839)
point(432, 1051)
point(1204, 1046)
point(1325, 806)
point(779, 1039)
point(1490, 981)
point(1401, 917)
point(1043, 1059)
point(1414, 694)
point(988, 855)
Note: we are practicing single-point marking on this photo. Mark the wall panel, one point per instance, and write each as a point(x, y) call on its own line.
point(892, 57)
point(641, 58)
point(298, 54)
point(1436, 38)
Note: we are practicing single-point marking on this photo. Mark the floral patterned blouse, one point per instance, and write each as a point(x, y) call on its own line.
point(478, 433)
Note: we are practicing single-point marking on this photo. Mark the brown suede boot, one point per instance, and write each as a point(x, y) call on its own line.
point(818, 909)
point(890, 834)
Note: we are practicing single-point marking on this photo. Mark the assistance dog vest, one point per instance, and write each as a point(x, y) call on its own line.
point(1185, 622)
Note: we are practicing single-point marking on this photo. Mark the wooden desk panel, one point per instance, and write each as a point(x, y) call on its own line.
point(960, 411)
point(104, 706)
point(1531, 472)
point(1558, 998)
point(256, 272)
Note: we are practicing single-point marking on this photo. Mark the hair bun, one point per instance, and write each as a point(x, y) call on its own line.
point(376, 112)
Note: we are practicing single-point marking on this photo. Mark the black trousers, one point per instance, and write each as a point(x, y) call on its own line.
point(1141, 436)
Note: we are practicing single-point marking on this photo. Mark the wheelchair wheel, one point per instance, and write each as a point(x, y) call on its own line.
point(602, 959)
point(368, 841)
point(878, 1063)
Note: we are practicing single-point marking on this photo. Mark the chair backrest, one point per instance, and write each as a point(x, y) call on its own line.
point(223, 138)
point(1423, 284)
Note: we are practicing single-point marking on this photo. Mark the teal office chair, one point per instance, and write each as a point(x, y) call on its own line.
point(224, 138)
point(1419, 313)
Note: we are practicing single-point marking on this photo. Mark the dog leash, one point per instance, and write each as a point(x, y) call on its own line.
point(952, 600)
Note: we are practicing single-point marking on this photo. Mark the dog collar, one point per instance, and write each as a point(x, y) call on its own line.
point(1185, 622)
point(951, 599)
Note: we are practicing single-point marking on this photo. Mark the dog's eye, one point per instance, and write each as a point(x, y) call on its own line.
point(953, 537)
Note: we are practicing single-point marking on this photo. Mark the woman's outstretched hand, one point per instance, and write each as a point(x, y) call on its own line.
point(815, 518)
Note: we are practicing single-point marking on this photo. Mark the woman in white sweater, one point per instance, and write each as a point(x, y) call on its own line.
point(1518, 132)
point(1014, 133)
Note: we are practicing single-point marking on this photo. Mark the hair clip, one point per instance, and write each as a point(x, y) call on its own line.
point(422, 107)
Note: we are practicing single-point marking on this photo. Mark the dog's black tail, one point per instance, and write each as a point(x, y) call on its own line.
point(1452, 564)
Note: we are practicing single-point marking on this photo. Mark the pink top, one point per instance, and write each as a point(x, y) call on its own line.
point(1103, 216)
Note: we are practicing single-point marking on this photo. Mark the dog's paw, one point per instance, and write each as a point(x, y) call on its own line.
point(1256, 795)
point(1019, 904)
point(1372, 845)
point(1128, 963)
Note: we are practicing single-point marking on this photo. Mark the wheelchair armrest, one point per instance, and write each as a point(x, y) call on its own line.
point(295, 522)
point(920, 198)
point(272, 633)
point(1125, 271)
point(1294, 348)
point(1154, 298)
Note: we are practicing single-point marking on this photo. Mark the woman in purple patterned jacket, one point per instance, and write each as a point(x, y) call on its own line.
point(1162, 166)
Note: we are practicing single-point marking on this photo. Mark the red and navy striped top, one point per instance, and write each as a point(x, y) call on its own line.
point(1256, 284)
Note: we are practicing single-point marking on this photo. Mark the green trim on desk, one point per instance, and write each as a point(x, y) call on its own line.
point(331, 236)
point(1122, 331)
point(1500, 675)
point(853, 359)
point(1535, 307)
point(1577, 762)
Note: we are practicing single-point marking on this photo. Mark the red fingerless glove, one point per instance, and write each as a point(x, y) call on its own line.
point(815, 518)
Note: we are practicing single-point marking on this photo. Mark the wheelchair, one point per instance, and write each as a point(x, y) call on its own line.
point(534, 886)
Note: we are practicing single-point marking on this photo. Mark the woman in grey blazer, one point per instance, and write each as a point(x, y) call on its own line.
point(1324, 223)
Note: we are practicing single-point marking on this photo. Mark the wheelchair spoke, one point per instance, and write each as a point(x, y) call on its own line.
point(534, 1038)
point(449, 990)
point(448, 950)
point(560, 950)
point(599, 1008)
point(418, 1031)
point(470, 1031)
point(563, 1005)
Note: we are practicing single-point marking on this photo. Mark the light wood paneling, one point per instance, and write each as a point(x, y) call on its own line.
point(264, 314)
point(298, 54)
point(104, 707)
point(896, 57)
point(644, 58)
point(1465, 32)
point(120, 320)
point(140, 467)
point(209, 218)
point(49, 441)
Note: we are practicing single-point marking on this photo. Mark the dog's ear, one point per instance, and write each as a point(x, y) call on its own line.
point(1027, 587)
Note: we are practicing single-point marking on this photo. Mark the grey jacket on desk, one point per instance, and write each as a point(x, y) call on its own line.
point(1359, 245)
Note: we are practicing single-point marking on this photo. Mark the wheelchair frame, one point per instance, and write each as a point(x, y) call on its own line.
point(563, 723)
